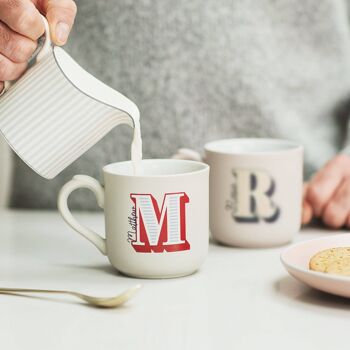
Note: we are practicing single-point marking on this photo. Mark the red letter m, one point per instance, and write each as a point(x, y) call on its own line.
point(159, 230)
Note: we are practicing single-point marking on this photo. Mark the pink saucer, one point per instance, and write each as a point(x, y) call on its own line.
point(296, 260)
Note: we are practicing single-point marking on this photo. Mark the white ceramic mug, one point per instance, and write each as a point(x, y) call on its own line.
point(157, 224)
point(255, 190)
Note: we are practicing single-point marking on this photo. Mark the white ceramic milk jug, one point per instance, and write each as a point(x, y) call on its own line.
point(56, 111)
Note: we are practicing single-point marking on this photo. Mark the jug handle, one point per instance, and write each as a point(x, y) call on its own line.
point(44, 50)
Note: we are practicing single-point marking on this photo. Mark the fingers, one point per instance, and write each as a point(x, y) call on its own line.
point(14, 46)
point(348, 222)
point(307, 211)
point(22, 17)
point(323, 185)
point(305, 189)
point(10, 70)
point(15, 50)
point(60, 15)
point(336, 213)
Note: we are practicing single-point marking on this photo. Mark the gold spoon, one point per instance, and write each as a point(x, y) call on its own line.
point(109, 302)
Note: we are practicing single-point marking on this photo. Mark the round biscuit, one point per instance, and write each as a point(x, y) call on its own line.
point(332, 261)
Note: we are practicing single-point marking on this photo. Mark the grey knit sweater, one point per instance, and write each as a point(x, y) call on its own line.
point(204, 70)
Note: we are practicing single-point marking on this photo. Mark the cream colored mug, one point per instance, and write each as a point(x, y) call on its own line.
point(255, 190)
point(157, 223)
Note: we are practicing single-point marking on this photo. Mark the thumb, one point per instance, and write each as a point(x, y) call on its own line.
point(60, 15)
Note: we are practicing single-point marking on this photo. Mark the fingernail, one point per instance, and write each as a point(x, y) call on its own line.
point(62, 32)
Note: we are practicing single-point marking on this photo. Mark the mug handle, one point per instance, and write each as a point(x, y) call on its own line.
point(188, 154)
point(44, 50)
point(82, 181)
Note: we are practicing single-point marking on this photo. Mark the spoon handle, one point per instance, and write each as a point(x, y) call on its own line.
point(27, 290)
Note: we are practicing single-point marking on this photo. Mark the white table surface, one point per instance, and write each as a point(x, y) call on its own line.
point(240, 299)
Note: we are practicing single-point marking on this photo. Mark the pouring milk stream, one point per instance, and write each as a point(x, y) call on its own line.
point(56, 111)
point(136, 146)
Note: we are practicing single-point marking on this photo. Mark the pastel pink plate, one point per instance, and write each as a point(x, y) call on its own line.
point(296, 260)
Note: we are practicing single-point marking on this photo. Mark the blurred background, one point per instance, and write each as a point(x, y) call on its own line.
point(201, 71)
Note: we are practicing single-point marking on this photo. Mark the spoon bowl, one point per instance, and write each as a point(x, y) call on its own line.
point(110, 302)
